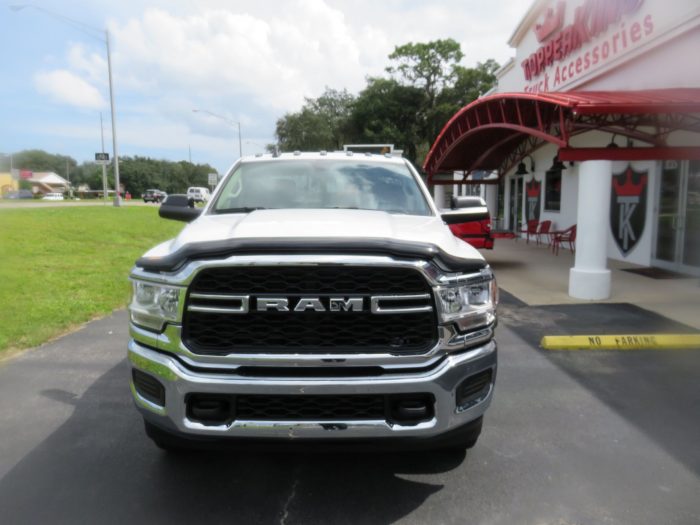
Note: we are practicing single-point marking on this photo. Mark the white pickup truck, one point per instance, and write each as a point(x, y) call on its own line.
point(317, 296)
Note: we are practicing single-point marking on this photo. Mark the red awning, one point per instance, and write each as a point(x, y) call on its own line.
point(497, 131)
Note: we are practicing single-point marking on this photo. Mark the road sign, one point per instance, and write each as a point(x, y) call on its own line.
point(213, 179)
point(102, 158)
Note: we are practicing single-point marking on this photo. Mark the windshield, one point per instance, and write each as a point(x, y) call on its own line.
point(322, 184)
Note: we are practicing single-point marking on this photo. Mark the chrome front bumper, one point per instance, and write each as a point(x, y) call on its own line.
point(441, 380)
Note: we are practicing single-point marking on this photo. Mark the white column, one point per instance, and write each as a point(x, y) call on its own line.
point(439, 196)
point(590, 277)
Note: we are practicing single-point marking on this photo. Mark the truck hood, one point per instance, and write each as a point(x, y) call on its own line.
point(341, 225)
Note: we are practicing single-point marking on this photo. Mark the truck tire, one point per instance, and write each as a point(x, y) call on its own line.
point(464, 440)
point(163, 440)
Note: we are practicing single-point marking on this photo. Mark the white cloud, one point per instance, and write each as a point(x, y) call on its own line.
point(89, 63)
point(65, 87)
point(274, 61)
point(251, 61)
point(274, 54)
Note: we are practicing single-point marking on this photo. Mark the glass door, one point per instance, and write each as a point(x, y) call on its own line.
point(515, 205)
point(667, 217)
point(690, 224)
point(678, 218)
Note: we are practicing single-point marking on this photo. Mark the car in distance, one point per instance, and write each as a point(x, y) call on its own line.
point(53, 197)
point(316, 297)
point(199, 194)
point(469, 219)
point(154, 195)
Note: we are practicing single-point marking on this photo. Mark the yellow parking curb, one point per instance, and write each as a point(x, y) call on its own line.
point(621, 342)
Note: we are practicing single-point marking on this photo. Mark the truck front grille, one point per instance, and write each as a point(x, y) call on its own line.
point(239, 328)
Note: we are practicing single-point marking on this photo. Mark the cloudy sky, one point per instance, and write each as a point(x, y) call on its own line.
point(248, 61)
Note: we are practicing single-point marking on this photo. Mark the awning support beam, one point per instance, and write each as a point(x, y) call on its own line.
point(653, 153)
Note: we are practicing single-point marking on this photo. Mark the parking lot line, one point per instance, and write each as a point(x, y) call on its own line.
point(621, 342)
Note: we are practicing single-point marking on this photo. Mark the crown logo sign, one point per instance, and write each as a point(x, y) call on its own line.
point(628, 188)
point(533, 188)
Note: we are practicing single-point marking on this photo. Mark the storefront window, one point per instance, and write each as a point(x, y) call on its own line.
point(552, 198)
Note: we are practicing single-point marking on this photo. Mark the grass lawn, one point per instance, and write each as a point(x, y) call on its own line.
point(60, 267)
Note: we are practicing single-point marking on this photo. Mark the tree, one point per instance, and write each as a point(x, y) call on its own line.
point(387, 112)
point(430, 66)
point(335, 108)
point(303, 130)
point(39, 160)
point(427, 86)
point(321, 124)
point(137, 174)
point(471, 83)
point(141, 173)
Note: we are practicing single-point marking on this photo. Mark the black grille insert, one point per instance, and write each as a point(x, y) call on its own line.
point(473, 387)
point(222, 333)
point(264, 407)
point(148, 387)
point(397, 408)
point(348, 280)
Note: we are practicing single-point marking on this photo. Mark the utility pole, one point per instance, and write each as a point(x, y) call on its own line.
point(104, 166)
point(93, 32)
point(190, 149)
point(117, 200)
point(70, 190)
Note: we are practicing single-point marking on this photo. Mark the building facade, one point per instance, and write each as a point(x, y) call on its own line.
point(609, 93)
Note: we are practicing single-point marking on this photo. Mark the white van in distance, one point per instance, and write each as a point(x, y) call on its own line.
point(198, 194)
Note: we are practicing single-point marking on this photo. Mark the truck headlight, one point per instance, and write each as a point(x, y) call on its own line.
point(152, 305)
point(471, 304)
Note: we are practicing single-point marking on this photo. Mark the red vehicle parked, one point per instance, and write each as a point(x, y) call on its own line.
point(469, 219)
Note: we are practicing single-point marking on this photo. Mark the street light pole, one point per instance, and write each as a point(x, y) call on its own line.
point(105, 190)
point(229, 122)
point(93, 33)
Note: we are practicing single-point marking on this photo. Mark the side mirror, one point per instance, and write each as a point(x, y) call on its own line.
point(466, 202)
point(466, 209)
point(179, 208)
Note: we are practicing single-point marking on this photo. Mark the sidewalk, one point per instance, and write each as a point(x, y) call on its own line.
point(537, 277)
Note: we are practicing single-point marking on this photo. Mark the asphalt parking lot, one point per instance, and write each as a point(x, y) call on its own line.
point(571, 438)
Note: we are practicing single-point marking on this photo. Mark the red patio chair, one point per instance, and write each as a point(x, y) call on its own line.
point(566, 236)
point(544, 230)
point(530, 230)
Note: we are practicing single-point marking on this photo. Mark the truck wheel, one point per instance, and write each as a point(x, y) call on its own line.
point(467, 439)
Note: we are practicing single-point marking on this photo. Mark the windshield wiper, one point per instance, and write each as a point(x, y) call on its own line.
point(244, 209)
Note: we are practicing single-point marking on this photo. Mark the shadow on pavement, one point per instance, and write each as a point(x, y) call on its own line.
point(99, 467)
point(657, 391)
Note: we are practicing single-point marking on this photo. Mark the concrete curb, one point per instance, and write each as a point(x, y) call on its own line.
point(621, 342)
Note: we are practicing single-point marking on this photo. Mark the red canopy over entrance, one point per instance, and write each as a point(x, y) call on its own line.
point(497, 131)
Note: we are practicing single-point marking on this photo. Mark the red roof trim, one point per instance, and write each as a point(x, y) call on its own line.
point(491, 121)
